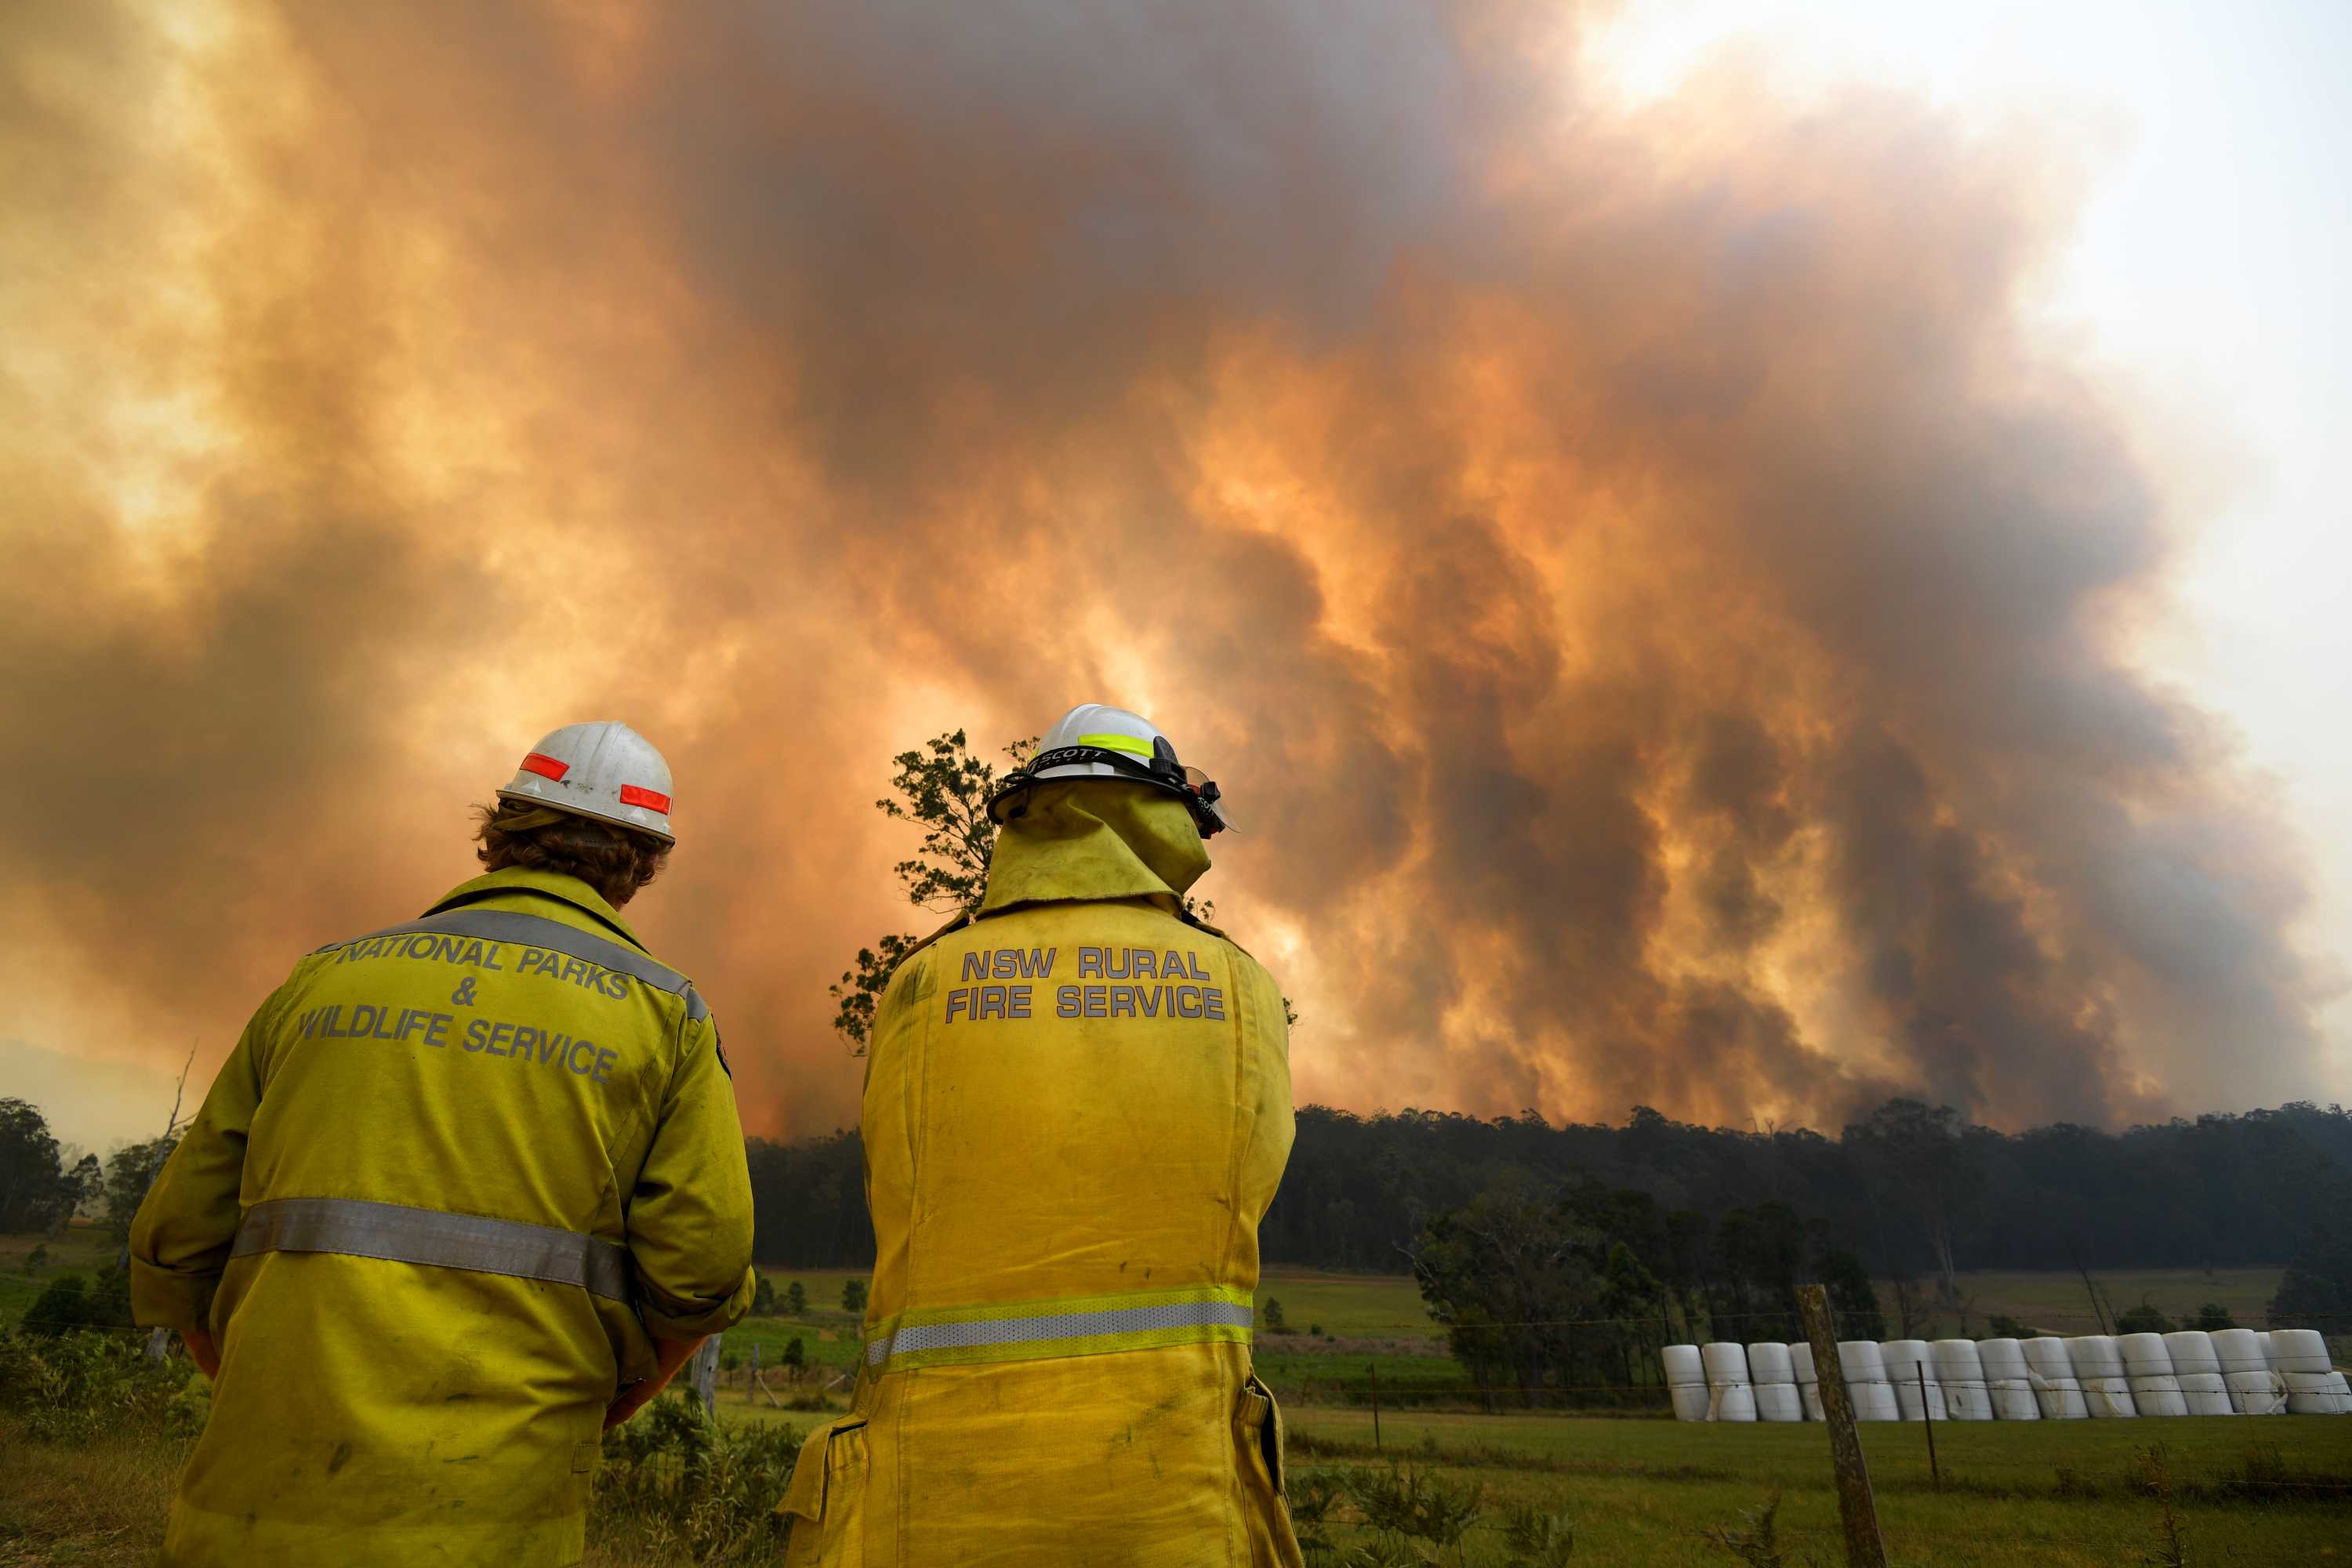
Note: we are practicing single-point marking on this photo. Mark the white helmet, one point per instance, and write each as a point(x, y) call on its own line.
point(1092, 742)
point(605, 769)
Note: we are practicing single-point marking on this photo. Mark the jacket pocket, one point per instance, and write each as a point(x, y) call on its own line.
point(826, 1498)
point(1261, 1428)
point(1257, 1423)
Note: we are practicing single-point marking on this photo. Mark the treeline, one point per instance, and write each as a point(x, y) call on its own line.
point(1913, 1190)
point(43, 1185)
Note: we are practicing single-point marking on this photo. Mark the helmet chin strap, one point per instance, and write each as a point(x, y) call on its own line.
point(514, 818)
point(1201, 796)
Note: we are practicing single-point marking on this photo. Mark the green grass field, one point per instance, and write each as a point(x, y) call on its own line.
point(80, 1250)
point(2055, 1495)
point(1347, 1306)
point(2057, 1303)
point(2062, 1493)
point(1381, 1306)
point(1635, 1491)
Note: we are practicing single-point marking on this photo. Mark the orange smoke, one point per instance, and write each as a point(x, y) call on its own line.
point(1638, 585)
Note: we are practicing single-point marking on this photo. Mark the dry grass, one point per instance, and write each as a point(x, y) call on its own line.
point(93, 1507)
point(1635, 1493)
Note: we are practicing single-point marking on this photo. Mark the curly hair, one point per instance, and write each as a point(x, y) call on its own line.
point(614, 861)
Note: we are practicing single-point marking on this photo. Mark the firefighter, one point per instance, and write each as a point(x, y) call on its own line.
point(1077, 1109)
point(469, 1191)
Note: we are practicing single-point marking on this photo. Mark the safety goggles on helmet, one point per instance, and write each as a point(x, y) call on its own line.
point(1126, 756)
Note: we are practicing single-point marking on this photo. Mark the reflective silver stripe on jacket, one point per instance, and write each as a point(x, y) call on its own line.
point(913, 1339)
point(404, 1234)
point(538, 930)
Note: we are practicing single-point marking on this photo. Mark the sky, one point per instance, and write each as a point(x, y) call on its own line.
point(1737, 558)
point(2200, 278)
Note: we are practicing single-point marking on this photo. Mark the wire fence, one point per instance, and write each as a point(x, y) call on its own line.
point(2331, 1324)
point(1497, 1480)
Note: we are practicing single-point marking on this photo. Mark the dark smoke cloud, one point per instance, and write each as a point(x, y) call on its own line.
point(1642, 589)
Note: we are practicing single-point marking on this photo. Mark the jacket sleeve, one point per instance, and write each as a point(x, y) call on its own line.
point(689, 1218)
point(1272, 1118)
point(181, 1237)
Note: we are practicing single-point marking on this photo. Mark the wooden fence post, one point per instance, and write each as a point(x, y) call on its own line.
point(706, 1374)
point(1857, 1509)
point(1927, 1419)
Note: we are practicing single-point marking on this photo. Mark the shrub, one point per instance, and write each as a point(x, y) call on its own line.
point(1400, 1501)
point(763, 1298)
point(63, 1307)
point(795, 1355)
point(78, 1387)
point(2213, 1317)
point(708, 1490)
point(1537, 1539)
point(1270, 1317)
point(853, 1296)
point(1757, 1540)
point(795, 1299)
point(2003, 1326)
point(70, 1302)
point(2142, 1319)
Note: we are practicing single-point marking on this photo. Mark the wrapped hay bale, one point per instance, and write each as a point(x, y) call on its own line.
point(1730, 1396)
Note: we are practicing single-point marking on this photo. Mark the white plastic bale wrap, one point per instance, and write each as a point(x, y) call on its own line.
point(2009, 1381)
point(2316, 1393)
point(2051, 1371)
point(1731, 1397)
point(2299, 1350)
point(2312, 1380)
point(2200, 1371)
point(1910, 1367)
point(2148, 1367)
point(2255, 1388)
point(1809, 1380)
point(1773, 1373)
point(1867, 1385)
point(1960, 1371)
point(2099, 1368)
point(1686, 1382)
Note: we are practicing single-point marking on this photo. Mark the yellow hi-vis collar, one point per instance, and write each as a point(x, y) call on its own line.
point(1068, 1326)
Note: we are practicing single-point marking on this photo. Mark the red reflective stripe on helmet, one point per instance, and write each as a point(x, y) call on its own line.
point(651, 800)
point(545, 766)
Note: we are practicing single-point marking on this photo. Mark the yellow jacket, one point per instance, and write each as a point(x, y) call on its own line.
point(1077, 1109)
point(450, 1176)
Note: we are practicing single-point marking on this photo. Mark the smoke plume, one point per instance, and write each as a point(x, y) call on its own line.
point(1652, 607)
